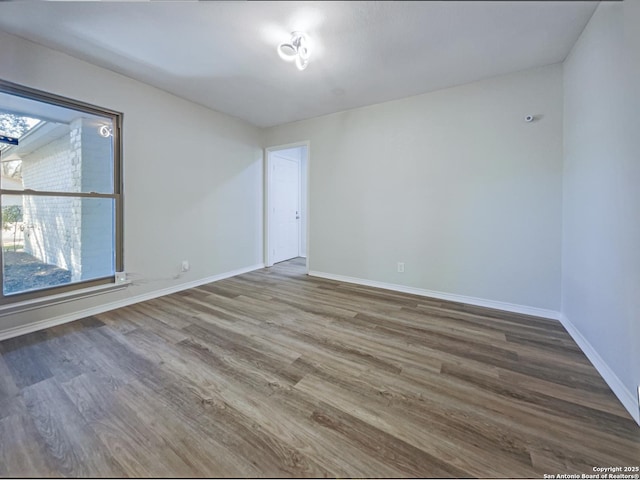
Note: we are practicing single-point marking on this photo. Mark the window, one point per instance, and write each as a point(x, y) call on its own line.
point(60, 195)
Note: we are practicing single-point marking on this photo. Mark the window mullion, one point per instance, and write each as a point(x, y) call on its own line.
point(44, 193)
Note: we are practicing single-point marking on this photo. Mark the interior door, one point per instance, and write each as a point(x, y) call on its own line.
point(285, 178)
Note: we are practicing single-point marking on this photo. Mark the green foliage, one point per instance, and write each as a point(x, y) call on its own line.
point(11, 214)
point(13, 125)
point(12, 220)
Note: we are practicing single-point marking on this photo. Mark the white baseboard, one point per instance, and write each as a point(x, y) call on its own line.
point(105, 307)
point(479, 302)
point(626, 397)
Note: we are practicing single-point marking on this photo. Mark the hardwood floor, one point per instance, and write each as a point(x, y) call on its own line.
point(276, 374)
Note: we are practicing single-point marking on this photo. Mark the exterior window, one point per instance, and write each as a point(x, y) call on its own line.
point(60, 196)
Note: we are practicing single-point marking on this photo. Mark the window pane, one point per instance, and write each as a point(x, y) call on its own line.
point(52, 241)
point(74, 154)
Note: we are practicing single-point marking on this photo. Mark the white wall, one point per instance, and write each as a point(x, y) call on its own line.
point(452, 183)
point(193, 177)
point(601, 235)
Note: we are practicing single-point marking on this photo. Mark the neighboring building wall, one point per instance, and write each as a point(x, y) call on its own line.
point(68, 232)
point(52, 224)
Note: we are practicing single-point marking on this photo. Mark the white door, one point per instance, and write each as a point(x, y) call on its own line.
point(285, 184)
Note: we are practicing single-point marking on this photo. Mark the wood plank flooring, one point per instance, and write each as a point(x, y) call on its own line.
point(276, 374)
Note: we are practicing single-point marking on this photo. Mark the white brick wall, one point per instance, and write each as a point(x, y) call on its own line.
point(52, 223)
point(71, 233)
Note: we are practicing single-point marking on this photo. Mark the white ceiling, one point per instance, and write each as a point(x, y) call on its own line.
point(223, 54)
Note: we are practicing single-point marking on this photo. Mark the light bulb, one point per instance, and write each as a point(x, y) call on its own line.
point(287, 52)
point(301, 63)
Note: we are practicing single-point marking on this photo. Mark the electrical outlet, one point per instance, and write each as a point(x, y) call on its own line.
point(121, 277)
point(400, 267)
point(185, 265)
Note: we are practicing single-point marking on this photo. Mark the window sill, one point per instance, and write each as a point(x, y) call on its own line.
point(33, 304)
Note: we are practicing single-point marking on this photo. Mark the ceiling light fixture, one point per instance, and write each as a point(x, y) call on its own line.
point(297, 50)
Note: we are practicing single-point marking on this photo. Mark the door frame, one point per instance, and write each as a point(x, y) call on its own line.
point(268, 258)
